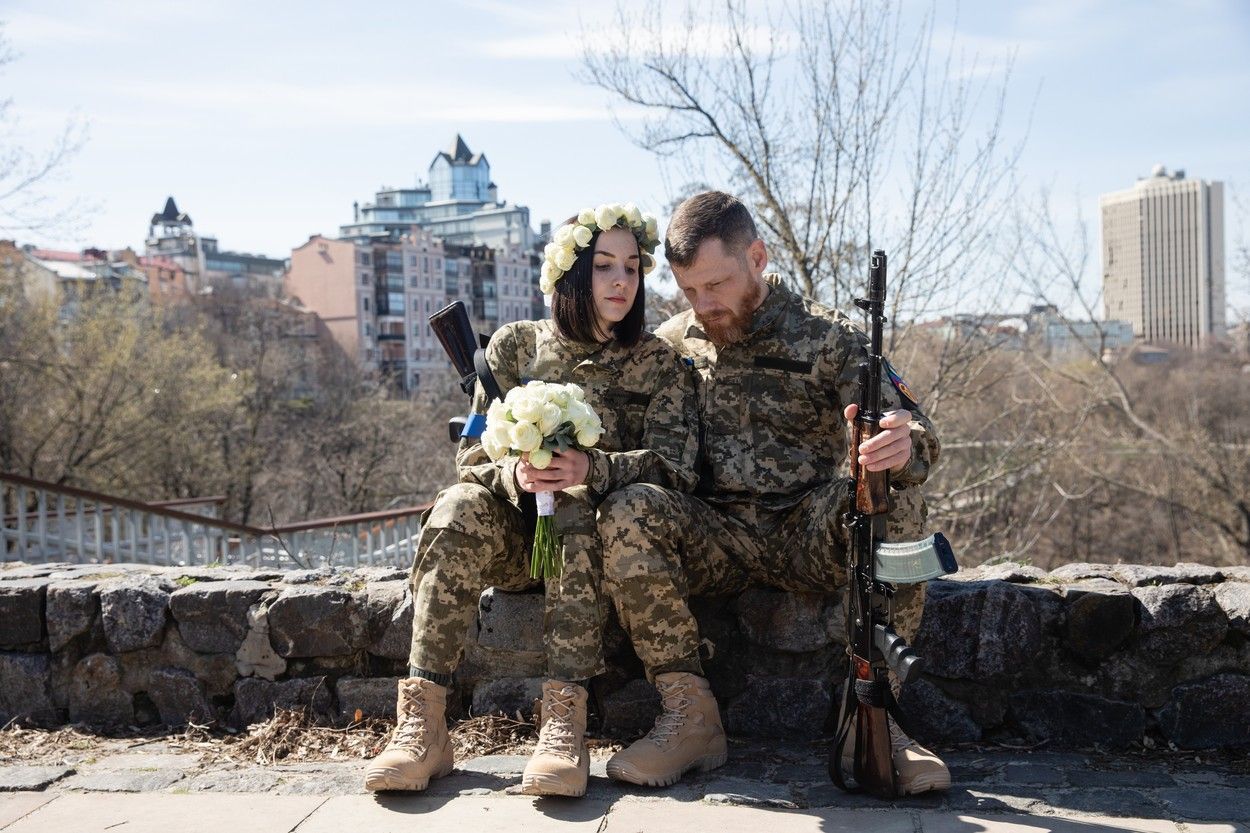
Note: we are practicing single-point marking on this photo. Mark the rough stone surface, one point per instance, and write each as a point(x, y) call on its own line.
point(1082, 571)
point(1234, 599)
point(388, 608)
point(508, 695)
point(1210, 804)
point(14, 778)
point(1011, 571)
point(978, 629)
point(1178, 620)
point(780, 706)
point(1208, 713)
point(212, 615)
point(124, 781)
point(255, 699)
point(1136, 575)
point(21, 611)
point(96, 696)
point(133, 609)
point(25, 689)
point(794, 622)
point(316, 622)
point(179, 698)
point(72, 609)
point(1067, 718)
point(510, 621)
point(1097, 623)
point(935, 716)
point(373, 696)
point(256, 656)
point(631, 709)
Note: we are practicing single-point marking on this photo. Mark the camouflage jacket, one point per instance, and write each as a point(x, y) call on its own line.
point(643, 394)
point(771, 405)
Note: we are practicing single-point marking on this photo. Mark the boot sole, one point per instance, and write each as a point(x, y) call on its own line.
point(549, 785)
point(705, 764)
point(925, 783)
point(390, 781)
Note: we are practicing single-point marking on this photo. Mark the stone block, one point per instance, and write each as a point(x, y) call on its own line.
point(936, 716)
point(25, 689)
point(1097, 623)
point(1138, 575)
point(1234, 599)
point(374, 696)
point(21, 611)
point(780, 706)
point(310, 621)
point(179, 698)
point(507, 695)
point(212, 615)
point(785, 621)
point(979, 629)
point(631, 710)
point(73, 608)
point(1010, 571)
point(1209, 713)
point(1074, 719)
point(510, 621)
point(134, 610)
point(15, 778)
point(1082, 571)
point(256, 656)
point(388, 613)
point(1177, 620)
point(255, 700)
point(96, 696)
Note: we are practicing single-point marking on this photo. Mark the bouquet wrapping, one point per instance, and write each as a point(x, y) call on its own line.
point(539, 419)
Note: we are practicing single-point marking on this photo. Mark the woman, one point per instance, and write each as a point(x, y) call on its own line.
point(478, 532)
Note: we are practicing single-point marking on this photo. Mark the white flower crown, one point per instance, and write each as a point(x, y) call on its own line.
point(571, 238)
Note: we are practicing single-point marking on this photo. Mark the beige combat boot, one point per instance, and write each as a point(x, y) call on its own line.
point(919, 770)
point(560, 764)
point(687, 735)
point(419, 749)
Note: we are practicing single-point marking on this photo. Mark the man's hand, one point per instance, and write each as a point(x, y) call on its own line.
point(567, 469)
point(891, 448)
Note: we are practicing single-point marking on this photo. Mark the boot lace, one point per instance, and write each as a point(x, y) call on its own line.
point(673, 717)
point(899, 741)
point(557, 735)
point(410, 730)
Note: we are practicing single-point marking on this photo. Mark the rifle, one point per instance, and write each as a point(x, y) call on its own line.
point(467, 351)
point(876, 567)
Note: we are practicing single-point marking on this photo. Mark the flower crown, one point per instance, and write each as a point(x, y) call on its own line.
point(571, 238)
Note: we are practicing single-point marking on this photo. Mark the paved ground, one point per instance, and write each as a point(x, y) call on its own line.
point(152, 786)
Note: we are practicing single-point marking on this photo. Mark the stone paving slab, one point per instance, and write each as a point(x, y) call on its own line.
point(951, 823)
point(124, 780)
point(17, 805)
point(655, 817)
point(161, 813)
point(31, 777)
point(435, 814)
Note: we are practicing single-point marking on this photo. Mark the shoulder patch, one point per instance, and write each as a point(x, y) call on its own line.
point(904, 392)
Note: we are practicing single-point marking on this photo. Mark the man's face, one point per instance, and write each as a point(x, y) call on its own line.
point(724, 288)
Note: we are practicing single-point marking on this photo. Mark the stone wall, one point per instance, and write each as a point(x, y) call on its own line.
point(1081, 656)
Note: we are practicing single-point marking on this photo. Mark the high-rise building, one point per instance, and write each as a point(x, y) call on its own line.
point(172, 237)
point(459, 204)
point(1163, 258)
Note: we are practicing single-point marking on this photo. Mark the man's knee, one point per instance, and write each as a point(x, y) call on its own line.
point(468, 508)
point(634, 523)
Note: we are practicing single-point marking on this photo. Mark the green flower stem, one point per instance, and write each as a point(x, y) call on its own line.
point(545, 562)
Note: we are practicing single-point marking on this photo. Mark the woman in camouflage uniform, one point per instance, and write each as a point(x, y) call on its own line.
point(479, 531)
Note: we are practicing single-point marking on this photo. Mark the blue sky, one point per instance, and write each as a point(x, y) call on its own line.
point(266, 120)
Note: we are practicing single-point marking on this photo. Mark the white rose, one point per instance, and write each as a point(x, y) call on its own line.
point(526, 436)
point(565, 259)
point(606, 216)
point(632, 215)
point(578, 414)
point(588, 438)
point(563, 236)
point(540, 458)
point(576, 392)
point(550, 271)
point(652, 226)
point(586, 216)
point(527, 409)
point(547, 285)
point(550, 418)
point(581, 236)
point(648, 263)
point(496, 441)
point(558, 395)
point(551, 250)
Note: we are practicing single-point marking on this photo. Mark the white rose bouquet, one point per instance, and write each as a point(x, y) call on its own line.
point(540, 419)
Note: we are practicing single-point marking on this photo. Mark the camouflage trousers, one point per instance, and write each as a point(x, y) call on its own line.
point(661, 547)
point(472, 539)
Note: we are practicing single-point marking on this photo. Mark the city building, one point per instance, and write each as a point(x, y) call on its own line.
point(458, 204)
point(84, 274)
point(1163, 258)
point(172, 237)
point(1042, 329)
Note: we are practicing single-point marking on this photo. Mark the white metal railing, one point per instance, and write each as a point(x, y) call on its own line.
point(45, 522)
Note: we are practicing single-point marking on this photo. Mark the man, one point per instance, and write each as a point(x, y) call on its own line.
point(775, 374)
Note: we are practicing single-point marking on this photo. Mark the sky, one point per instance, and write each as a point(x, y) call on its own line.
point(267, 120)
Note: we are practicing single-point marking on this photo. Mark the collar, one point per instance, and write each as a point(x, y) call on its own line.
point(606, 352)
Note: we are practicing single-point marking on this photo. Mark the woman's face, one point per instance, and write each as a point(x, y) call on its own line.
point(616, 272)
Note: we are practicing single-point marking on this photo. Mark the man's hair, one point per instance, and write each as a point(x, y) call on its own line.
point(702, 217)
point(573, 302)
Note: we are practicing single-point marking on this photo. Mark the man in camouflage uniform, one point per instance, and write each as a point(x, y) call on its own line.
point(775, 373)
point(479, 533)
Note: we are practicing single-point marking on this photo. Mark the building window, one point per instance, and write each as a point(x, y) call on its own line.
point(364, 258)
point(365, 301)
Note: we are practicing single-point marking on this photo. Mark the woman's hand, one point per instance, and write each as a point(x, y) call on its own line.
point(567, 469)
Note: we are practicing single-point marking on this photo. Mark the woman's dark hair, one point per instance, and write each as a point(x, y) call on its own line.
point(573, 302)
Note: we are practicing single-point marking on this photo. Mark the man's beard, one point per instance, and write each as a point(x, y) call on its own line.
point(733, 325)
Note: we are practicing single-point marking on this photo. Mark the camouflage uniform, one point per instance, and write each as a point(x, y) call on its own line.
point(772, 485)
point(479, 531)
